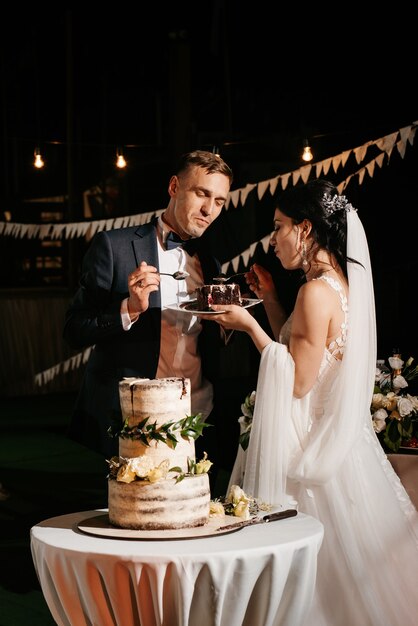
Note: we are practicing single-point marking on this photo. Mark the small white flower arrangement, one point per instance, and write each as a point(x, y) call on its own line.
point(238, 504)
point(394, 412)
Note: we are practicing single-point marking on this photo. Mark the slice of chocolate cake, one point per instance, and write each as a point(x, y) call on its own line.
point(217, 294)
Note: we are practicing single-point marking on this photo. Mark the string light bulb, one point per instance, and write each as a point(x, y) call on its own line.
point(120, 159)
point(38, 162)
point(307, 152)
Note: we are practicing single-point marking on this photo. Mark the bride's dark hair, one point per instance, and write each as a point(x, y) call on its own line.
point(311, 201)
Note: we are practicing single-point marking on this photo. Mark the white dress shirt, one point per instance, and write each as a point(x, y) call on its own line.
point(179, 330)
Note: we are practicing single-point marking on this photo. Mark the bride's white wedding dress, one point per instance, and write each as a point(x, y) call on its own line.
point(322, 451)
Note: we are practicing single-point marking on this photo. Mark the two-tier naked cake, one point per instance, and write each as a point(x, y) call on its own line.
point(156, 484)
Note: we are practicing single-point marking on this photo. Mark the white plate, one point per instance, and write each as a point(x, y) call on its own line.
point(191, 306)
point(101, 527)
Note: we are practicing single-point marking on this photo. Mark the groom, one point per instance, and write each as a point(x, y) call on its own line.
point(121, 306)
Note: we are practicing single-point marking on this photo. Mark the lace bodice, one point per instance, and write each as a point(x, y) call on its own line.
point(337, 346)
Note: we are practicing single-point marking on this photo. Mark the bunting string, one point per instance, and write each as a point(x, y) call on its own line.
point(386, 145)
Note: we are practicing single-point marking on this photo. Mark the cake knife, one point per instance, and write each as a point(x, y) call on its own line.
point(272, 517)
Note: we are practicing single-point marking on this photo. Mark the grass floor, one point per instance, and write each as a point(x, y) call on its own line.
point(42, 474)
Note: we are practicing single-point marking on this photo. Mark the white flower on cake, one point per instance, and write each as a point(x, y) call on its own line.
point(204, 465)
point(125, 474)
point(159, 472)
point(141, 466)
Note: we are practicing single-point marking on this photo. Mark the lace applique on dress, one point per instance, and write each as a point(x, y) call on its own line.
point(337, 346)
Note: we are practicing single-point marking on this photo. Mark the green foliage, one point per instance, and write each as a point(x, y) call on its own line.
point(244, 439)
point(190, 427)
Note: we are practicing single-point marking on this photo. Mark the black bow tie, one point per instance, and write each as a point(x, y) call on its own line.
point(174, 241)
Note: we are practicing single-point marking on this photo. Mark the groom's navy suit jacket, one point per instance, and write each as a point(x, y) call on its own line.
point(93, 318)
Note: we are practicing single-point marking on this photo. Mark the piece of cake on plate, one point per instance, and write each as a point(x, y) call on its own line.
point(207, 295)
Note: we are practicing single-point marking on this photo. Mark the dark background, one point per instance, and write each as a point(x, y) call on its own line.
point(253, 79)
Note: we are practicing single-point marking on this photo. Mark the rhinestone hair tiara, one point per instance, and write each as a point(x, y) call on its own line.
point(336, 203)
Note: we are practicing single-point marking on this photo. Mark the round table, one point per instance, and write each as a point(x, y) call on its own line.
point(261, 575)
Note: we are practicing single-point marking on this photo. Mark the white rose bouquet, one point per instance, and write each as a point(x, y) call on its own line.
point(395, 412)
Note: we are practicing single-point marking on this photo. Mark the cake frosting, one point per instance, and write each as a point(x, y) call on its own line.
point(207, 295)
point(155, 483)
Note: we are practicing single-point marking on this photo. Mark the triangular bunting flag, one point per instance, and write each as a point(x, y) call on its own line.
point(344, 157)
point(370, 168)
point(44, 231)
point(386, 143)
point(33, 231)
point(326, 165)
point(246, 256)
point(244, 192)
point(234, 195)
point(380, 158)
point(265, 242)
point(405, 132)
point(273, 184)
point(262, 188)
point(336, 163)
point(305, 172)
point(285, 180)
point(360, 152)
point(401, 145)
point(24, 230)
point(295, 177)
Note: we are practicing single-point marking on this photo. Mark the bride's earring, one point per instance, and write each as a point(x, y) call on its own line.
point(304, 254)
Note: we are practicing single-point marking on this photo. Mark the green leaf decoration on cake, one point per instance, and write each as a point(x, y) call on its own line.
point(190, 427)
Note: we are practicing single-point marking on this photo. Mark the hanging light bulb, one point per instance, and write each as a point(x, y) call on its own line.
point(215, 150)
point(38, 162)
point(307, 152)
point(120, 159)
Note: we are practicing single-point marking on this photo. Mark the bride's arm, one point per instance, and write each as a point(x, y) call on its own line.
point(261, 283)
point(310, 323)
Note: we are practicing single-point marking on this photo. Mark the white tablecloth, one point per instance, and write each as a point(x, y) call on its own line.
point(262, 575)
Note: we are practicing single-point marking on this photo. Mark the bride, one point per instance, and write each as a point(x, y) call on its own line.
point(312, 437)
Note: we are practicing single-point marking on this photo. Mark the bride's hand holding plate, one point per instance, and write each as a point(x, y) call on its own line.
point(231, 316)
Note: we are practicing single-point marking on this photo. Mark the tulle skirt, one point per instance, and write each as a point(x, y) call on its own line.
point(368, 562)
